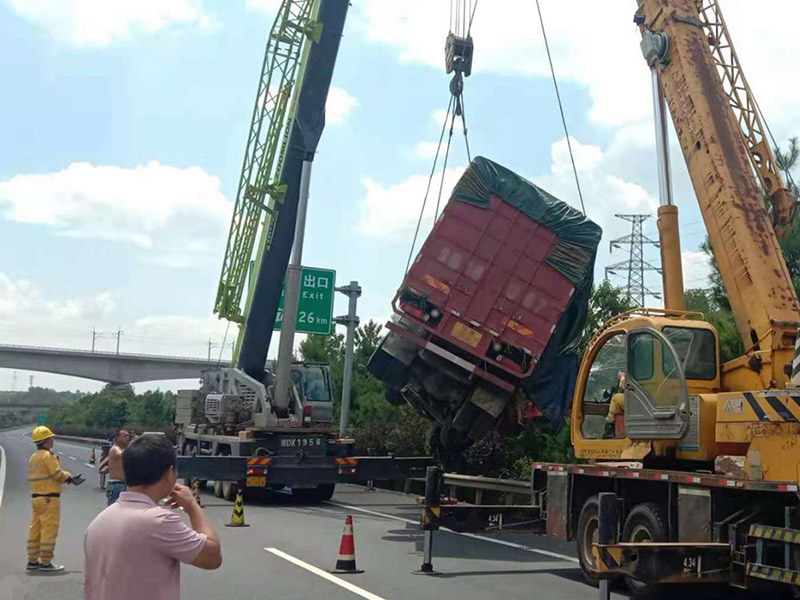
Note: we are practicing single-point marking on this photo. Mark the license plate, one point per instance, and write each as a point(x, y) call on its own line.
point(314, 445)
point(257, 481)
point(466, 334)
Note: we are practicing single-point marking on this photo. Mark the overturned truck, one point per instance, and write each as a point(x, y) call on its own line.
point(488, 316)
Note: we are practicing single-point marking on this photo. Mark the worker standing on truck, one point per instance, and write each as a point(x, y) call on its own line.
point(46, 477)
point(116, 474)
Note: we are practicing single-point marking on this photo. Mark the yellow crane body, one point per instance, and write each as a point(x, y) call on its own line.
point(743, 407)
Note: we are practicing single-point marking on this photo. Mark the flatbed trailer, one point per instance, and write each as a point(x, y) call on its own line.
point(308, 461)
point(671, 526)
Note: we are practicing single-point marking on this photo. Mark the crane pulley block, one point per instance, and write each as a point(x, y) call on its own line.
point(458, 54)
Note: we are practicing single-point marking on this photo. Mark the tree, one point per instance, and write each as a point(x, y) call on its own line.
point(606, 302)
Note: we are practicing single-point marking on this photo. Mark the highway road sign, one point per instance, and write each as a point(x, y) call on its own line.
point(315, 307)
point(42, 418)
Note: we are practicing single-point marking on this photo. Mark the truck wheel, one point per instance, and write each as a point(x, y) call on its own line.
point(586, 536)
point(645, 523)
point(229, 490)
point(217, 489)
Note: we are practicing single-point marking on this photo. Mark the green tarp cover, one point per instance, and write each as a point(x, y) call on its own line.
point(578, 237)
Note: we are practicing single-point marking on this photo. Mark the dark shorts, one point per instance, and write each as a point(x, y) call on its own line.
point(114, 489)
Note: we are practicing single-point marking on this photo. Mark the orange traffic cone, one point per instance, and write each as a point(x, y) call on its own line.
point(91, 457)
point(346, 558)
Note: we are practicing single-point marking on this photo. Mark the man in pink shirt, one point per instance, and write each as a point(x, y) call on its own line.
point(134, 548)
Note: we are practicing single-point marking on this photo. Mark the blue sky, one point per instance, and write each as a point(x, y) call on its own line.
point(124, 126)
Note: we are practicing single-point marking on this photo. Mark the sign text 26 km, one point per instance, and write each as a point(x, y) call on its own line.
point(315, 307)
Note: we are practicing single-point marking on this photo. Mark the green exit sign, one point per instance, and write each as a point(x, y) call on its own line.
point(315, 307)
point(42, 419)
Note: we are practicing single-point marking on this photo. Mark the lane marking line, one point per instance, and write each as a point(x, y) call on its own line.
point(469, 535)
point(332, 578)
point(61, 453)
point(2, 473)
point(73, 458)
point(90, 466)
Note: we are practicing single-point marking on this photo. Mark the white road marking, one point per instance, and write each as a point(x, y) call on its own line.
point(72, 457)
point(61, 453)
point(2, 473)
point(325, 575)
point(90, 466)
point(469, 535)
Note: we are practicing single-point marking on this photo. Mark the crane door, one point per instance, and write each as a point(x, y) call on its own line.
point(656, 395)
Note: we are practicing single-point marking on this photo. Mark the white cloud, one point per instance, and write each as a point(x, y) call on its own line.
point(339, 105)
point(24, 308)
point(173, 215)
point(696, 269)
point(390, 212)
point(98, 23)
point(30, 315)
point(514, 46)
point(598, 50)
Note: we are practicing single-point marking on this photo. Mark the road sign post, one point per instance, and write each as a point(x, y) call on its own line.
point(314, 304)
point(352, 291)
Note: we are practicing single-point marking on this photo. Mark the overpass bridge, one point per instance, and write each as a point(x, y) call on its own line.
point(108, 367)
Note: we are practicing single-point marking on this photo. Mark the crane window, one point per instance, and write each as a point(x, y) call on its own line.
point(696, 349)
point(601, 384)
point(317, 384)
point(653, 366)
point(640, 357)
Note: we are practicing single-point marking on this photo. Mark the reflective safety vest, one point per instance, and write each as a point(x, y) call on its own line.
point(45, 473)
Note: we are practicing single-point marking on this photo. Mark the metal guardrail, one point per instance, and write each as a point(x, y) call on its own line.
point(83, 440)
point(506, 486)
point(481, 485)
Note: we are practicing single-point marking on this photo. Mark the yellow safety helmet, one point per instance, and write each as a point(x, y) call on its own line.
point(41, 433)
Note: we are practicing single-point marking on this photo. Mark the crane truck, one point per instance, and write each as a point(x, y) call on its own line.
point(699, 459)
point(277, 436)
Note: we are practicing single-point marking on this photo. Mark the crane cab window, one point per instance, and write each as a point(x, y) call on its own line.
point(697, 351)
point(654, 368)
point(314, 382)
point(601, 384)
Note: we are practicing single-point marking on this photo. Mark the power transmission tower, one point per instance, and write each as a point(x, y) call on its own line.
point(636, 265)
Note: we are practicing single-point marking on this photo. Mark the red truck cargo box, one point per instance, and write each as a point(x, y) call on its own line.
point(484, 269)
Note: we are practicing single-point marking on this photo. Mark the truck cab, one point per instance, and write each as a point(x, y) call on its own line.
point(648, 383)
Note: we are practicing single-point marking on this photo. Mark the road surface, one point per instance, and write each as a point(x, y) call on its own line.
point(288, 548)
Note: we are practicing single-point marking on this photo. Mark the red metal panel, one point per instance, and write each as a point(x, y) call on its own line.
point(485, 268)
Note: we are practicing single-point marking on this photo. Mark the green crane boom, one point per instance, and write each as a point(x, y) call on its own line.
point(259, 196)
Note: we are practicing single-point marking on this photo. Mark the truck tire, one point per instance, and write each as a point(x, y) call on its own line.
point(217, 489)
point(321, 493)
point(585, 537)
point(229, 490)
point(645, 523)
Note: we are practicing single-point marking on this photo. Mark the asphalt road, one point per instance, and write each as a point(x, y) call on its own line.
point(288, 548)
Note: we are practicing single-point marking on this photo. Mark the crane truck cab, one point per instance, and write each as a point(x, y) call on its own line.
point(647, 387)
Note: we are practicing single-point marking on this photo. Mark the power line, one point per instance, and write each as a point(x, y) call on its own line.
point(560, 107)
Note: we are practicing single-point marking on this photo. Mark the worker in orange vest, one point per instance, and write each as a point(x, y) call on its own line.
point(46, 477)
